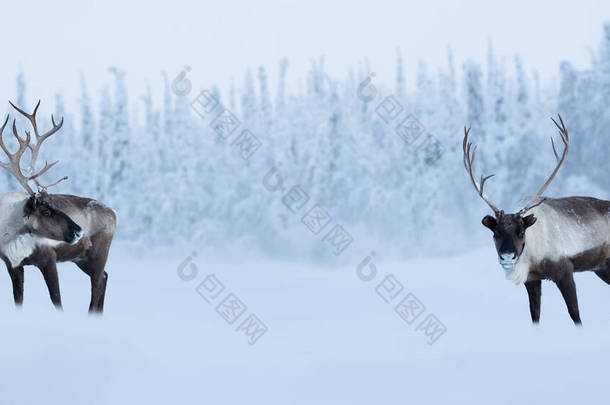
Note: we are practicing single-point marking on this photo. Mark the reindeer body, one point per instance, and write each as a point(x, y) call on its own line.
point(549, 238)
point(89, 251)
point(571, 234)
point(41, 229)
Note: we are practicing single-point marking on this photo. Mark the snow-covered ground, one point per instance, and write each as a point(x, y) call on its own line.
point(331, 337)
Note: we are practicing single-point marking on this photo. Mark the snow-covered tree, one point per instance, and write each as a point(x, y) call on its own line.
point(193, 185)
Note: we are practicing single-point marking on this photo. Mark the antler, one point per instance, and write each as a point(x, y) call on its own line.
point(14, 163)
point(468, 161)
point(563, 133)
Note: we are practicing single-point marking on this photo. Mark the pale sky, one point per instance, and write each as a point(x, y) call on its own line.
point(55, 41)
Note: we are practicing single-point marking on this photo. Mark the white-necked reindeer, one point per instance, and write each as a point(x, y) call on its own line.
point(41, 229)
point(557, 238)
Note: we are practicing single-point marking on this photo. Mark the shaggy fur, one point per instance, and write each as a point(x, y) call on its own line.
point(31, 238)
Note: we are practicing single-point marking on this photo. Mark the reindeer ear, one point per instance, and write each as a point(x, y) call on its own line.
point(490, 222)
point(529, 220)
point(30, 206)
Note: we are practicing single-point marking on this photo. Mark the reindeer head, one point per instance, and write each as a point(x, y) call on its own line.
point(509, 236)
point(45, 221)
point(509, 229)
point(41, 218)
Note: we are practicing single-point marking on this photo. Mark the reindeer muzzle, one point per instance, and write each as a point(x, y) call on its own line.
point(73, 235)
point(508, 260)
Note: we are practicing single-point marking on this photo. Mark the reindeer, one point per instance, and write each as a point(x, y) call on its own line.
point(564, 235)
point(41, 229)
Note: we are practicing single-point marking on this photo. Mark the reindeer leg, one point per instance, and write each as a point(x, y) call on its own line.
point(98, 284)
point(534, 292)
point(604, 275)
point(568, 290)
point(98, 289)
point(101, 306)
point(49, 272)
point(93, 265)
point(16, 274)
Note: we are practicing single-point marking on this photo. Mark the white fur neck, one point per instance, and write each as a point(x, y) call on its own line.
point(518, 274)
point(21, 247)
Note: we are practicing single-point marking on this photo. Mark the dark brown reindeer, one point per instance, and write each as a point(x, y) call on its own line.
point(564, 235)
point(41, 229)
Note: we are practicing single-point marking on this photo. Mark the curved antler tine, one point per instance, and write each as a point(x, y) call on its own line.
point(23, 143)
point(36, 109)
point(484, 179)
point(42, 188)
point(554, 150)
point(562, 127)
point(466, 148)
point(482, 184)
point(61, 122)
point(31, 117)
point(4, 149)
point(46, 167)
point(28, 115)
point(465, 140)
point(4, 125)
point(15, 134)
point(563, 132)
point(556, 124)
point(19, 109)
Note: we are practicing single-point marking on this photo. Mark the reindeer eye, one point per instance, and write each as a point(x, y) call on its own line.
point(45, 213)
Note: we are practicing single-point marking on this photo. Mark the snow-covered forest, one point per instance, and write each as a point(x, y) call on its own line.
point(378, 154)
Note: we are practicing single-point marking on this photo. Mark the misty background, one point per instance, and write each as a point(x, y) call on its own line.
point(131, 141)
